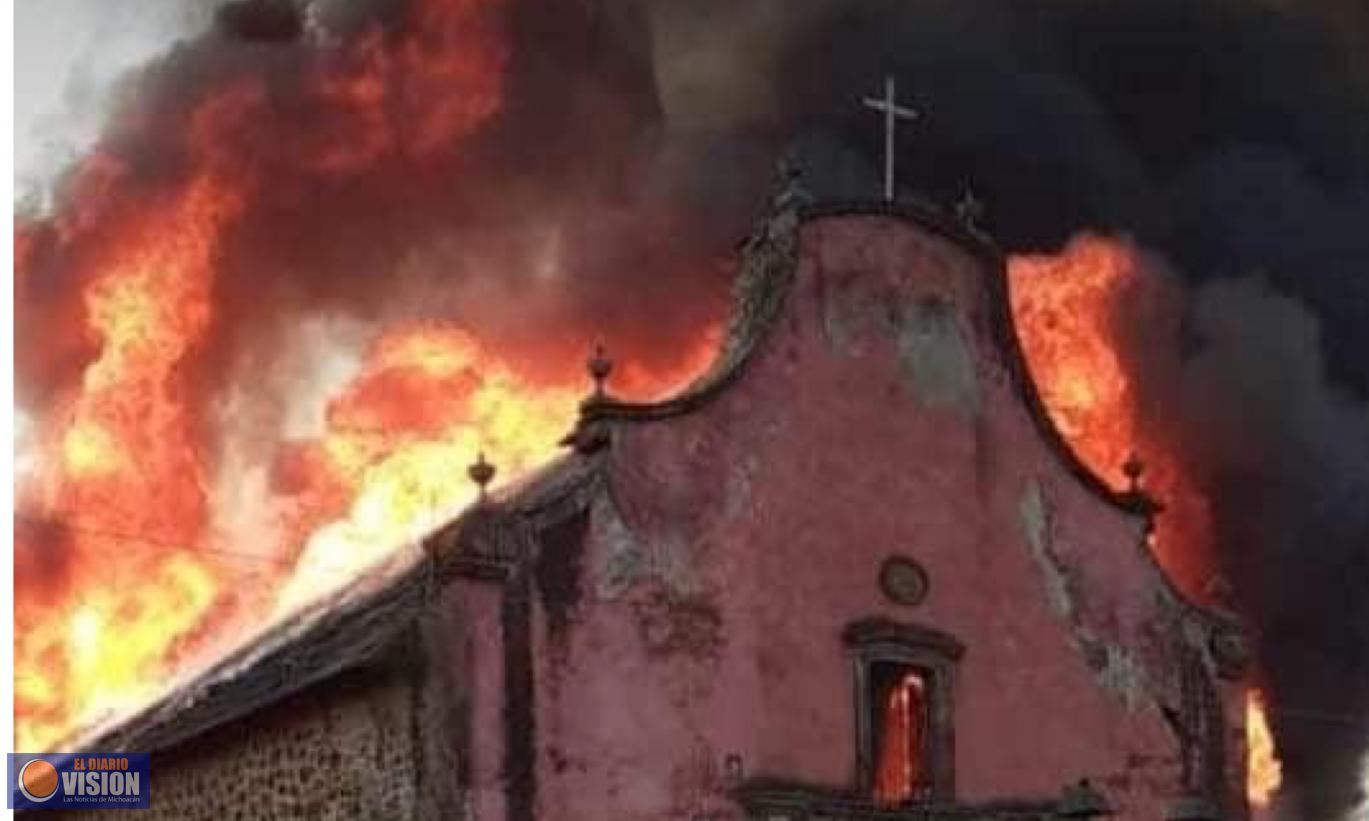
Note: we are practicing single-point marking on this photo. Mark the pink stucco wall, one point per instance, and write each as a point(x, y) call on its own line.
point(732, 545)
point(482, 666)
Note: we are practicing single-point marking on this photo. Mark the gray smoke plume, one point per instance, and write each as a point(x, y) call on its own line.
point(1237, 382)
point(1230, 137)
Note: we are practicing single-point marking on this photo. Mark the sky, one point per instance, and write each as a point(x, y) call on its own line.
point(1230, 135)
point(69, 56)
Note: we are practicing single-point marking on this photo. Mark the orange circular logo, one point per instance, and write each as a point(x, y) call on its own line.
point(38, 780)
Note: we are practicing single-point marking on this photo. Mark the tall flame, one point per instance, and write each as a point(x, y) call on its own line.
point(126, 578)
point(428, 399)
point(1066, 309)
point(389, 467)
point(1264, 772)
point(122, 460)
point(899, 774)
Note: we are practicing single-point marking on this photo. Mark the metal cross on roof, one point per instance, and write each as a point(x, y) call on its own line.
point(888, 105)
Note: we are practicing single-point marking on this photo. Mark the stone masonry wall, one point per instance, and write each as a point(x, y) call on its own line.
point(341, 750)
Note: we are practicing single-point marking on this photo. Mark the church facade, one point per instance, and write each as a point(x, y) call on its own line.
point(852, 572)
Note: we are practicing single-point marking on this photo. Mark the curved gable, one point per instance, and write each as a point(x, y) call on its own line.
point(872, 398)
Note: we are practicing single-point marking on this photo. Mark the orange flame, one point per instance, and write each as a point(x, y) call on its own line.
point(1264, 772)
point(121, 580)
point(899, 774)
point(389, 467)
point(147, 590)
point(1065, 309)
point(428, 400)
point(125, 461)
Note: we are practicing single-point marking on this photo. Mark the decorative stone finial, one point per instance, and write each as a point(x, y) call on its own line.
point(599, 367)
point(969, 209)
point(1135, 496)
point(1133, 468)
point(1082, 800)
point(787, 167)
point(789, 190)
point(481, 472)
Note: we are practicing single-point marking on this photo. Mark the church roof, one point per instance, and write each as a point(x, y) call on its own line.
point(355, 625)
point(333, 634)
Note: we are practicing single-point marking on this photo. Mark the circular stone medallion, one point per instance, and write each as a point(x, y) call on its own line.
point(903, 580)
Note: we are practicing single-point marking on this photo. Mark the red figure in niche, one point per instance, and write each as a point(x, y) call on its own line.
point(900, 773)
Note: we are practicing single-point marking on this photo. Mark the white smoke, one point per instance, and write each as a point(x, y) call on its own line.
point(282, 400)
point(25, 447)
point(68, 63)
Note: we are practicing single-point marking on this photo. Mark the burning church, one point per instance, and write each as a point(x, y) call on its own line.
point(852, 570)
point(879, 513)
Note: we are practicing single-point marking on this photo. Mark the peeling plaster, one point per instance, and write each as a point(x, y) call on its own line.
point(690, 626)
point(844, 315)
point(935, 357)
point(622, 559)
point(737, 500)
point(1036, 522)
point(1117, 670)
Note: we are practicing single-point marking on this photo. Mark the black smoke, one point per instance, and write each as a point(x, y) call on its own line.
point(1230, 139)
